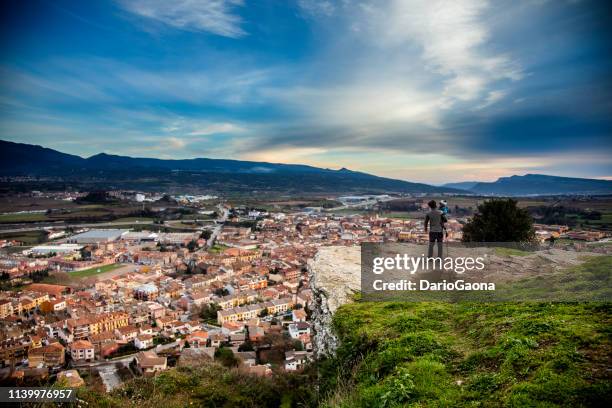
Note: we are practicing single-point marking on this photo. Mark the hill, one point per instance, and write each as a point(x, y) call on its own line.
point(112, 171)
point(463, 355)
point(463, 185)
point(540, 184)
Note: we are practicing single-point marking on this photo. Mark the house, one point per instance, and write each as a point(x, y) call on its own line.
point(147, 291)
point(82, 350)
point(143, 341)
point(216, 339)
point(248, 358)
point(101, 339)
point(150, 363)
point(298, 315)
point(52, 355)
point(228, 328)
point(126, 333)
point(237, 339)
point(296, 360)
point(197, 339)
point(256, 333)
point(299, 329)
point(108, 349)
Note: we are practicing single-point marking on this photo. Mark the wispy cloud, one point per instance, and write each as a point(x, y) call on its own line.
point(214, 16)
point(317, 7)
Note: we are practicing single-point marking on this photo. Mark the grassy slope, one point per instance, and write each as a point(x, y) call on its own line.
point(208, 385)
point(468, 355)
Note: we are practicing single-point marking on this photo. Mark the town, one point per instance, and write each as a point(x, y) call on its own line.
point(98, 306)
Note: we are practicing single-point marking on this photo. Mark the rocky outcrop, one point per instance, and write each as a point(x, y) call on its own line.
point(335, 277)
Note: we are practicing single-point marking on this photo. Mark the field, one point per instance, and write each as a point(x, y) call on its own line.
point(94, 271)
point(22, 217)
point(27, 237)
point(60, 210)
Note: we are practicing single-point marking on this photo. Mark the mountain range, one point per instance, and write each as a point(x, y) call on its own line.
point(540, 184)
point(111, 171)
point(105, 171)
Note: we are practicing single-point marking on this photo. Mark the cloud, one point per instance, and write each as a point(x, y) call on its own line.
point(213, 16)
point(175, 143)
point(404, 80)
point(317, 7)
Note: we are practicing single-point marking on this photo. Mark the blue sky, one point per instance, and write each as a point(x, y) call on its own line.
point(422, 90)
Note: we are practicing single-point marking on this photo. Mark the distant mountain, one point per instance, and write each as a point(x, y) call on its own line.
point(111, 171)
point(540, 184)
point(463, 185)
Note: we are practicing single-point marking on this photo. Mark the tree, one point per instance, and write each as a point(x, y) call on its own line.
point(221, 292)
point(246, 346)
point(226, 357)
point(499, 220)
point(206, 234)
point(192, 245)
point(209, 312)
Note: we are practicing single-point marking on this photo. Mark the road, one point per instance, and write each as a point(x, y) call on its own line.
point(219, 221)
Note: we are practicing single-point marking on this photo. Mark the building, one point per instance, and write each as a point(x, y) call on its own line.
point(143, 341)
point(197, 339)
point(52, 355)
point(299, 329)
point(97, 236)
point(147, 291)
point(62, 249)
point(82, 350)
point(296, 360)
point(6, 308)
point(150, 363)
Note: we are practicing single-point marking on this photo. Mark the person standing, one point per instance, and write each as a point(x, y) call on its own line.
point(434, 222)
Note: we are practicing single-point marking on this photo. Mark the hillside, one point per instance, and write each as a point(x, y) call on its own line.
point(514, 354)
point(465, 355)
point(539, 184)
point(111, 171)
point(463, 185)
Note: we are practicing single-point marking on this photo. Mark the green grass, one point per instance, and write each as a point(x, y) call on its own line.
point(588, 281)
point(396, 354)
point(501, 251)
point(207, 385)
point(605, 219)
point(94, 271)
point(27, 237)
point(24, 217)
point(218, 248)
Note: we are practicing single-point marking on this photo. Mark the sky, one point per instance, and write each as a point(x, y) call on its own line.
point(421, 90)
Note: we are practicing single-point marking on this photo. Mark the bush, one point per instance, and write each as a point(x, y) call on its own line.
point(499, 220)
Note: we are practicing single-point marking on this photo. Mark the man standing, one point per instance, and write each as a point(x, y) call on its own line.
point(435, 219)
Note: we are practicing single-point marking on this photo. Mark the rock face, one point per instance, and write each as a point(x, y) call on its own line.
point(335, 277)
